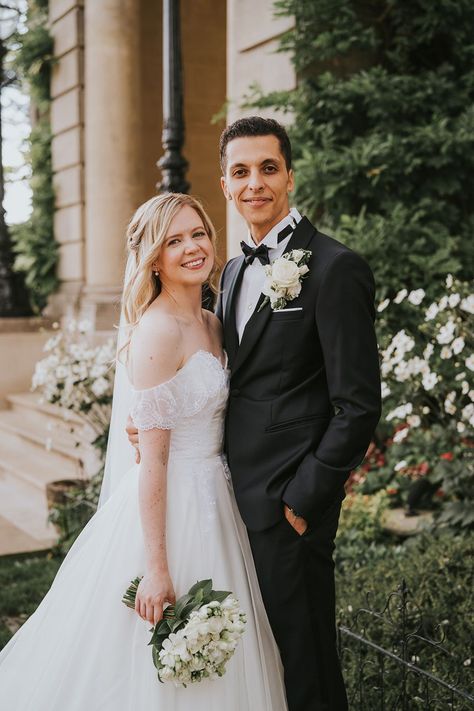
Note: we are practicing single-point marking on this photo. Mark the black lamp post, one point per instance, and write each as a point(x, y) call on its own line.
point(172, 165)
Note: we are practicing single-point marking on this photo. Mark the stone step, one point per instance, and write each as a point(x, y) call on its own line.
point(14, 540)
point(28, 402)
point(44, 437)
point(26, 508)
point(38, 471)
point(39, 444)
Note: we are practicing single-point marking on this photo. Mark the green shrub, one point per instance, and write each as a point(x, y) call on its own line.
point(24, 581)
point(438, 572)
point(383, 132)
point(34, 244)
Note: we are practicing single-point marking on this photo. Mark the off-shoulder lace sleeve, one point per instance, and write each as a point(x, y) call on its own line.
point(160, 407)
point(183, 396)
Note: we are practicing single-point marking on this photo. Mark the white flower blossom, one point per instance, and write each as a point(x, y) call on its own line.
point(431, 312)
point(446, 332)
point(453, 300)
point(470, 362)
point(467, 304)
point(400, 412)
point(442, 303)
point(429, 380)
point(467, 414)
point(461, 427)
point(385, 390)
point(400, 465)
point(400, 435)
point(449, 281)
point(449, 405)
point(383, 305)
point(446, 353)
point(457, 345)
point(416, 296)
point(428, 351)
point(414, 421)
point(400, 296)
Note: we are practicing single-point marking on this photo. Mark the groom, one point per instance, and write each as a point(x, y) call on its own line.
point(304, 401)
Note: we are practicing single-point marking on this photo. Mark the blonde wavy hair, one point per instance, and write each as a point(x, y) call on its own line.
point(145, 236)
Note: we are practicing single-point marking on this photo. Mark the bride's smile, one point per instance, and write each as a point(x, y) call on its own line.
point(187, 255)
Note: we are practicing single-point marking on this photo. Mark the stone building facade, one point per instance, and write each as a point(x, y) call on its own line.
point(107, 121)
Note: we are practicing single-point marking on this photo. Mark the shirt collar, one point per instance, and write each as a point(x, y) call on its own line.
point(271, 239)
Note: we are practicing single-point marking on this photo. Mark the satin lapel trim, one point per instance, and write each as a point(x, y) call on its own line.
point(259, 319)
point(230, 324)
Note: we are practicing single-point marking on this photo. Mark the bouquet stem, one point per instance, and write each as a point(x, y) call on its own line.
point(131, 593)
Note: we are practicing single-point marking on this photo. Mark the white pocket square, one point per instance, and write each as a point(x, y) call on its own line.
point(282, 311)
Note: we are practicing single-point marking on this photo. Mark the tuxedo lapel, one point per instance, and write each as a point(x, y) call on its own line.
point(231, 336)
point(256, 324)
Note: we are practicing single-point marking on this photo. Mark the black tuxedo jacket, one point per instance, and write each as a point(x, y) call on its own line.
point(305, 387)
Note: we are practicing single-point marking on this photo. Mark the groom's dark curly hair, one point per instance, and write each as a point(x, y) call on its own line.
point(254, 126)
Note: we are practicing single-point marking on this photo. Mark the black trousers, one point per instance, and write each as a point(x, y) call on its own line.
point(296, 577)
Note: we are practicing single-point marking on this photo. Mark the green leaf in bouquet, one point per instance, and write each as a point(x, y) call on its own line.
point(129, 595)
point(190, 607)
point(219, 595)
point(181, 605)
point(207, 588)
point(199, 585)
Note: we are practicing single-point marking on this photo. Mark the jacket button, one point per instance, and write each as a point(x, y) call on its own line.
point(235, 392)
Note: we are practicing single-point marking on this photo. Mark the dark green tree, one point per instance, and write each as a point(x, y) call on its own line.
point(383, 131)
point(35, 246)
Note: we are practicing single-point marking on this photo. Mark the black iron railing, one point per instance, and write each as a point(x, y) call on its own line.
point(391, 658)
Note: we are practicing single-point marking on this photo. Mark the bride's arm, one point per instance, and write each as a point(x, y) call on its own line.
point(156, 356)
point(156, 587)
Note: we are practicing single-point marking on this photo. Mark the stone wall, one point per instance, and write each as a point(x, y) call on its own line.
point(252, 41)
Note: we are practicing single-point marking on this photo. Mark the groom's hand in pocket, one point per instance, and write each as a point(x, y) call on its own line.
point(297, 522)
point(132, 433)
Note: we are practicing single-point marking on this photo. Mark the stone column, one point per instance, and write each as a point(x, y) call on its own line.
point(113, 175)
point(253, 35)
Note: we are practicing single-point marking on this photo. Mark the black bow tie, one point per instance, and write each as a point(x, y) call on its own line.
point(261, 252)
point(251, 253)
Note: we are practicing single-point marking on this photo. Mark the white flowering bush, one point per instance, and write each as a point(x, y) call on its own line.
point(78, 377)
point(197, 636)
point(428, 392)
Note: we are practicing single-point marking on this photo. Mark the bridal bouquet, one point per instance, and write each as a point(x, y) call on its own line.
point(197, 636)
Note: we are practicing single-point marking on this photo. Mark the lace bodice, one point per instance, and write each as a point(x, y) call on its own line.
point(191, 404)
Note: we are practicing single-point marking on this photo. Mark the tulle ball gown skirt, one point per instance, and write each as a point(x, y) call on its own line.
point(83, 650)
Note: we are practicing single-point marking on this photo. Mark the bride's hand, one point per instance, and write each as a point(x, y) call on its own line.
point(132, 433)
point(154, 590)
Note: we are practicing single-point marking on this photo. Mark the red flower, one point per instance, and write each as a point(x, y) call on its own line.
point(440, 493)
point(449, 456)
point(391, 491)
point(424, 467)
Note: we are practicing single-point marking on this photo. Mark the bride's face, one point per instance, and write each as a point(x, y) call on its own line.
point(187, 254)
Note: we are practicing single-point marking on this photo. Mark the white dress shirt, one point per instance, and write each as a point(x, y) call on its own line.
point(254, 274)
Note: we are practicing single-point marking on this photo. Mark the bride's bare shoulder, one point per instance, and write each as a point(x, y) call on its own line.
point(156, 348)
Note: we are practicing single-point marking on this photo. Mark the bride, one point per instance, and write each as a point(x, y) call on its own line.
point(171, 518)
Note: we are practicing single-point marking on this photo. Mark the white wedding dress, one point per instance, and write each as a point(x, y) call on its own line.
point(83, 649)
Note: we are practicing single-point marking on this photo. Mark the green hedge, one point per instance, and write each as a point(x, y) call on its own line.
point(383, 131)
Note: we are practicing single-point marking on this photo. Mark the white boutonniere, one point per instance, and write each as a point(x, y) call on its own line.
point(284, 277)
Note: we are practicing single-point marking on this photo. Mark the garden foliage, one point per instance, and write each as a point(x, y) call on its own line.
point(382, 125)
point(34, 243)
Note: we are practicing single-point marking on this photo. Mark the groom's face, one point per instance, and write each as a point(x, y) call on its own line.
point(257, 181)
